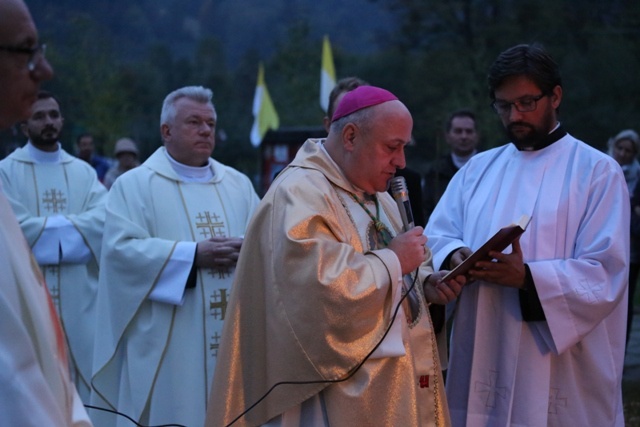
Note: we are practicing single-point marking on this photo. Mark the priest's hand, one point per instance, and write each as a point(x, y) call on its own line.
point(218, 252)
point(505, 269)
point(437, 291)
point(458, 256)
point(410, 249)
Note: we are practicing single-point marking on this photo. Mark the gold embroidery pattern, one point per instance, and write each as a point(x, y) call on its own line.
point(215, 344)
point(209, 225)
point(219, 273)
point(439, 415)
point(53, 283)
point(346, 208)
point(218, 304)
point(54, 201)
point(436, 377)
point(418, 305)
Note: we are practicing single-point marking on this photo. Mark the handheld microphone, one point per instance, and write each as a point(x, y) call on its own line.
point(401, 195)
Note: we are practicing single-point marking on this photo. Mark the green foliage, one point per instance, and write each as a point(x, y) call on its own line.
point(112, 83)
point(293, 78)
point(452, 44)
point(91, 88)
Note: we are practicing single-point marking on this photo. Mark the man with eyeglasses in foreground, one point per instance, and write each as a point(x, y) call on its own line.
point(539, 334)
point(35, 385)
point(22, 63)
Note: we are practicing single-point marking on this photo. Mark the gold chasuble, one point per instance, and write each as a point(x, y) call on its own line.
point(155, 359)
point(314, 293)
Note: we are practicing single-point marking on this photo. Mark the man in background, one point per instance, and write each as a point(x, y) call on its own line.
point(342, 86)
point(461, 135)
point(86, 150)
point(59, 204)
point(35, 385)
point(173, 231)
point(126, 153)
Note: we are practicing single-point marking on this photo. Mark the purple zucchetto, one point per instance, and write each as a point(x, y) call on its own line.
point(361, 97)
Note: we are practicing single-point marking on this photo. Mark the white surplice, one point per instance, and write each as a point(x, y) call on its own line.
point(154, 360)
point(68, 192)
point(566, 370)
point(35, 385)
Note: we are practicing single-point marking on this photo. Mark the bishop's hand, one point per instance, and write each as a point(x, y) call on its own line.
point(410, 249)
point(437, 291)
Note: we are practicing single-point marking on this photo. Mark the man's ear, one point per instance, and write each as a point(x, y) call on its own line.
point(349, 134)
point(556, 97)
point(23, 128)
point(165, 131)
point(326, 123)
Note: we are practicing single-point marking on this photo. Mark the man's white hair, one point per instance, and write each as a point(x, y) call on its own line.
point(195, 93)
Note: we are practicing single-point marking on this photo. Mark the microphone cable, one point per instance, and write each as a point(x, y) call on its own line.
point(129, 418)
point(349, 374)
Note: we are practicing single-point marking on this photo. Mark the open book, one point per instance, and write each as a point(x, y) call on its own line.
point(498, 242)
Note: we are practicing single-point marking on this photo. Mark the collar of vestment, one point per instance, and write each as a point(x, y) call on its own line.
point(314, 155)
point(191, 173)
point(549, 139)
point(41, 156)
point(160, 164)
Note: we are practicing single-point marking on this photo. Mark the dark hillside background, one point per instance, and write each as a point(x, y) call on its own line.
point(116, 60)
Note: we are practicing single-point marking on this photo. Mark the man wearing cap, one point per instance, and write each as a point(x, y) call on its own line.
point(317, 332)
point(126, 153)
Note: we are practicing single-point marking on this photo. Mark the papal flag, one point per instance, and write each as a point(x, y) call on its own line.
point(264, 113)
point(327, 74)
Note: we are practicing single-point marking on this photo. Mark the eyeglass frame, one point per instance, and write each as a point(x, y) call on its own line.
point(36, 54)
point(518, 104)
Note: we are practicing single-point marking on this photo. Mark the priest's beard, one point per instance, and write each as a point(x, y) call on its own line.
point(528, 137)
point(47, 138)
